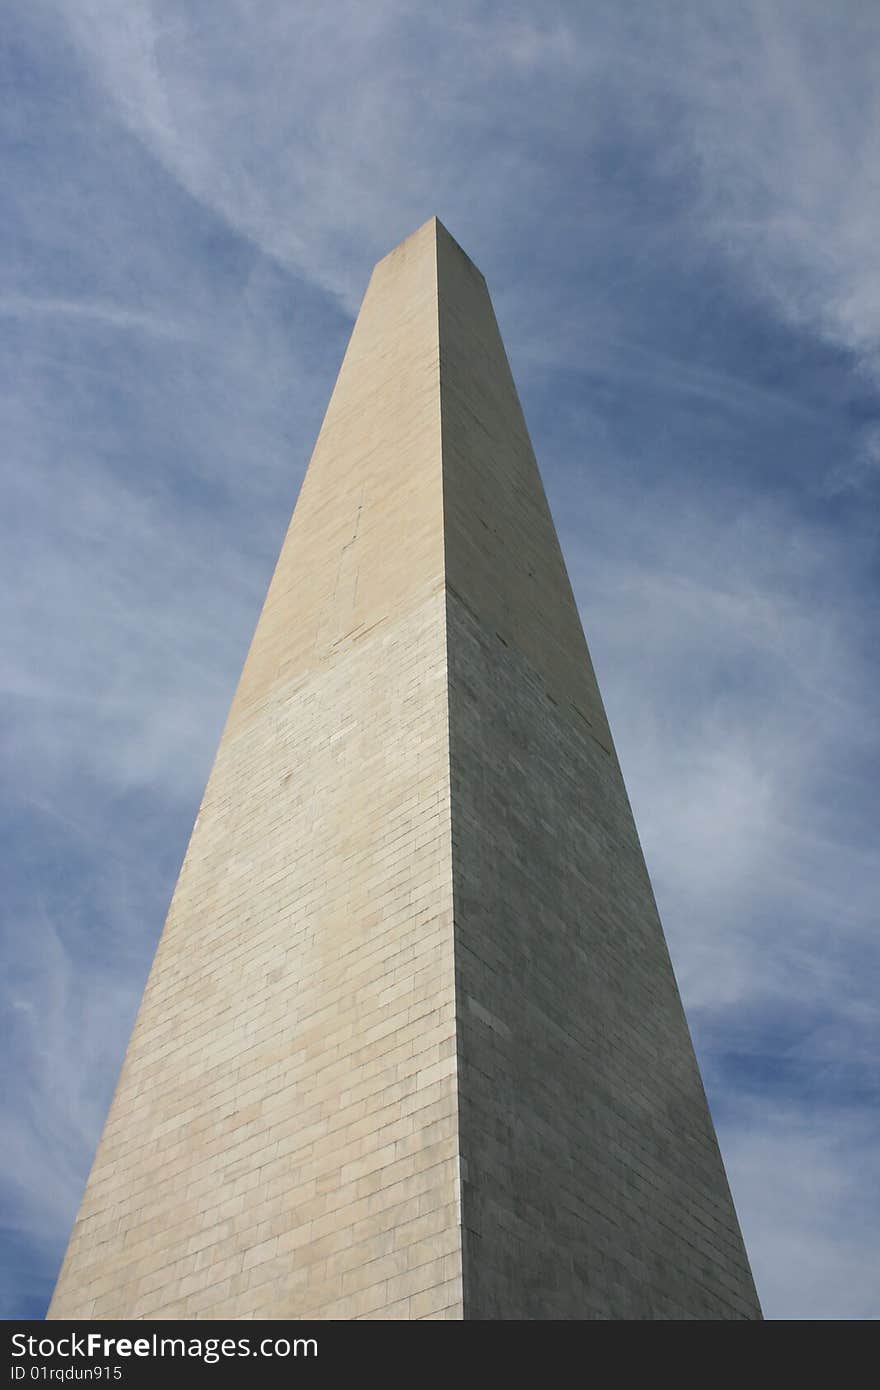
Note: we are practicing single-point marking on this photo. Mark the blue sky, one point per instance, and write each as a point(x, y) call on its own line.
point(676, 207)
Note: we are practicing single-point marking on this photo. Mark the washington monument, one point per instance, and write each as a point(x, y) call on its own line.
point(411, 1045)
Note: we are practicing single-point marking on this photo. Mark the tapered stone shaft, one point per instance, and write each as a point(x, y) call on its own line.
point(411, 1045)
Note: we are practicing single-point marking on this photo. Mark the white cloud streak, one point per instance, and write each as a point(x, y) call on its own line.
point(774, 108)
point(114, 316)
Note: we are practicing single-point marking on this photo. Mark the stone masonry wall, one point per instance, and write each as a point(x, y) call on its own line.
point(283, 1138)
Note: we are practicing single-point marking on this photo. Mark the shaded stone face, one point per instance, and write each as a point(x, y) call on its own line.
point(411, 1045)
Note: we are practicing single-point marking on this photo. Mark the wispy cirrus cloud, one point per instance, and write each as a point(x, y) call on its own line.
point(114, 316)
point(771, 116)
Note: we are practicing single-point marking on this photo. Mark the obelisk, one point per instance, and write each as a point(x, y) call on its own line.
point(411, 1045)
